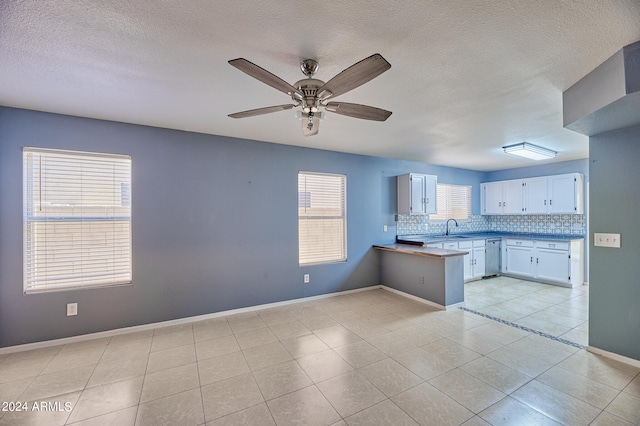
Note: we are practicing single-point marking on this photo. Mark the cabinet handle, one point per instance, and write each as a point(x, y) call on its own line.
point(518, 243)
point(531, 259)
point(550, 202)
point(545, 202)
point(552, 245)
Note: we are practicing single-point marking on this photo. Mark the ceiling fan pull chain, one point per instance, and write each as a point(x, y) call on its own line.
point(310, 123)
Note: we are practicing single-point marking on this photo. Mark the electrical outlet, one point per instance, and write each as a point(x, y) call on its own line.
point(606, 240)
point(422, 279)
point(384, 228)
point(306, 278)
point(72, 309)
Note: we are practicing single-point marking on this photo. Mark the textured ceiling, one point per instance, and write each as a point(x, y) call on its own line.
point(467, 76)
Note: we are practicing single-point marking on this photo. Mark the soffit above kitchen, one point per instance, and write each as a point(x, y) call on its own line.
point(466, 77)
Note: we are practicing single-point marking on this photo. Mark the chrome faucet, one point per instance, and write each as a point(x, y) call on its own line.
point(456, 222)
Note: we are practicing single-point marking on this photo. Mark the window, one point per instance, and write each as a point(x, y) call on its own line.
point(321, 218)
point(77, 219)
point(453, 202)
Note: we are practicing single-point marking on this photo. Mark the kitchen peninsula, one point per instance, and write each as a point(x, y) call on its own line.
point(432, 274)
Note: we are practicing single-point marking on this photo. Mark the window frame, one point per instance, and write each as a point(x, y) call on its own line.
point(305, 201)
point(84, 206)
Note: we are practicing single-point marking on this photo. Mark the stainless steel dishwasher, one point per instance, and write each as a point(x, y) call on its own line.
point(492, 258)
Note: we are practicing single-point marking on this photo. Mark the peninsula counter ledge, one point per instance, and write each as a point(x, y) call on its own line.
point(433, 274)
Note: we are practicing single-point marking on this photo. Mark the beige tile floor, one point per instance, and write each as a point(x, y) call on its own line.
point(367, 358)
point(557, 311)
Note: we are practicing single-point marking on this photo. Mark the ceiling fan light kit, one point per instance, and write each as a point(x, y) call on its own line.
point(312, 94)
point(530, 151)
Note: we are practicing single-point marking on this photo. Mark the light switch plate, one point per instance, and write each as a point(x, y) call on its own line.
point(606, 240)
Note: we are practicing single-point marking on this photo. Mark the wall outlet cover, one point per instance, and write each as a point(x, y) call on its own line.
point(306, 278)
point(72, 309)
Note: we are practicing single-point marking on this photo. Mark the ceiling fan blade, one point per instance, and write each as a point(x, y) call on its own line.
point(263, 75)
point(358, 111)
point(260, 111)
point(356, 75)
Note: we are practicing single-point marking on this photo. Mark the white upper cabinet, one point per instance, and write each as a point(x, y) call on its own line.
point(512, 197)
point(566, 193)
point(504, 197)
point(491, 194)
point(417, 194)
point(558, 194)
point(535, 196)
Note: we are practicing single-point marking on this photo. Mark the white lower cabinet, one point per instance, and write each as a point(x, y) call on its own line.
point(519, 257)
point(553, 265)
point(474, 261)
point(547, 261)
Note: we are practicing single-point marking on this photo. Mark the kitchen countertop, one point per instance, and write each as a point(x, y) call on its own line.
point(420, 250)
point(427, 239)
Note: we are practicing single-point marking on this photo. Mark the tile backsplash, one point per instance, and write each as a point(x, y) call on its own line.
point(565, 224)
point(420, 224)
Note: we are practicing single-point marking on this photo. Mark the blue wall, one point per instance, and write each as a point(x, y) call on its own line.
point(214, 224)
point(614, 287)
point(573, 166)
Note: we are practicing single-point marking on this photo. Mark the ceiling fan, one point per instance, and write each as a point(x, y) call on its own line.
point(312, 94)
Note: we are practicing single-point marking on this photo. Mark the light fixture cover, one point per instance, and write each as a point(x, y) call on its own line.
point(528, 150)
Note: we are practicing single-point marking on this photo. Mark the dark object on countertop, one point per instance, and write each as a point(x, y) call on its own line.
point(410, 242)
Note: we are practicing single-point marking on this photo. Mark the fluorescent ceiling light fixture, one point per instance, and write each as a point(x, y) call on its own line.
point(528, 150)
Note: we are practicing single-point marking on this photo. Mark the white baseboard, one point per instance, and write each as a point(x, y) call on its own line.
point(418, 299)
point(614, 356)
point(179, 321)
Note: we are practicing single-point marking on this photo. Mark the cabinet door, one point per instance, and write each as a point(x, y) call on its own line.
point(430, 194)
point(468, 266)
point(535, 196)
point(478, 262)
point(491, 198)
point(512, 197)
point(418, 186)
point(552, 265)
point(562, 194)
point(520, 260)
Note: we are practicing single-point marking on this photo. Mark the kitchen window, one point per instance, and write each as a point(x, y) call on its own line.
point(453, 202)
point(77, 220)
point(321, 218)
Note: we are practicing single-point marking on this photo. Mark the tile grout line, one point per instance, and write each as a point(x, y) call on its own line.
point(522, 327)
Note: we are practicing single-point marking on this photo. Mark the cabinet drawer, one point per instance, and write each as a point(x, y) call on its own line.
point(434, 245)
point(451, 246)
point(479, 243)
point(463, 245)
point(520, 243)
point(552, 245)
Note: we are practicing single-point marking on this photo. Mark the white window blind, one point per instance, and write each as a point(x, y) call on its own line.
point(453, 202)
point(77, 219)
point(321, 218)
